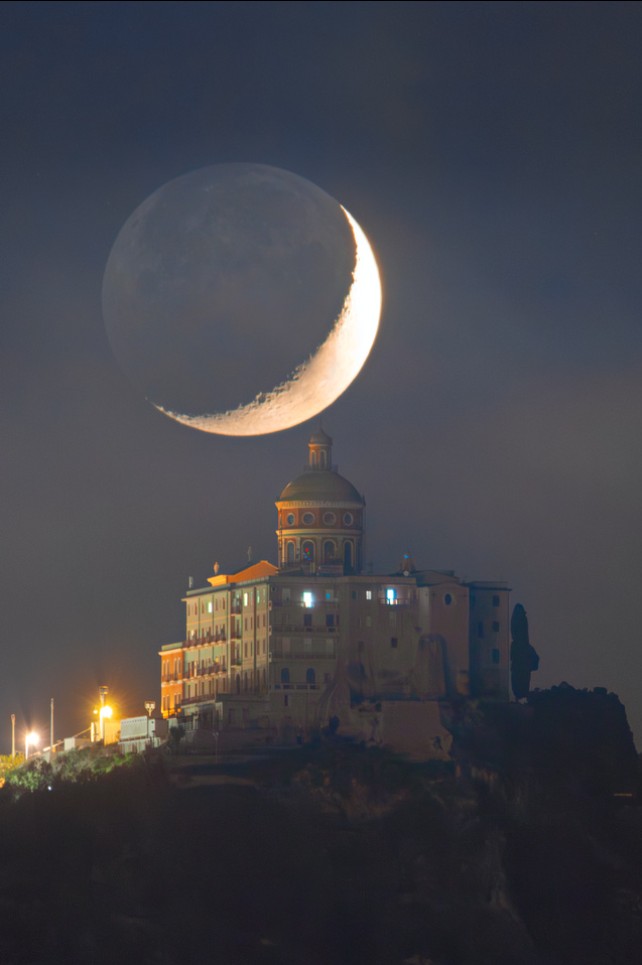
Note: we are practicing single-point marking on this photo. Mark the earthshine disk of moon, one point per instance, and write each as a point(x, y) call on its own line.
point(226, 274)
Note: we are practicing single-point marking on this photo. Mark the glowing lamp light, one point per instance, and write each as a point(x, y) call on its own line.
point(32, 739)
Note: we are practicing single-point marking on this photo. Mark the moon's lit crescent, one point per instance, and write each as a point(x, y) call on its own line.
point(320, 380)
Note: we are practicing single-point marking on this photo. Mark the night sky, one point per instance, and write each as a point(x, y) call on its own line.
point(493, 155)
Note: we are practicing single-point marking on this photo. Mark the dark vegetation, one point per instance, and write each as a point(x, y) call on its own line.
point(519, 851)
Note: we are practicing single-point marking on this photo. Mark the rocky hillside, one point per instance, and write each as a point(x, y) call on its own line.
point(522, 850)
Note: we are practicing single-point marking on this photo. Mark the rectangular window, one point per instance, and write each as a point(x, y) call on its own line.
point(307, 619)
point(354, 594)
point(495, 626)
point(307, 643)
point(308, 598)
point(285, 595)
point(245, 599)
point(480, 630)
point(495, 655)
point(393, 642)
point(329, 619)
point(285, 644)
point(496, 600)
point(391, 596)
point(368, 594)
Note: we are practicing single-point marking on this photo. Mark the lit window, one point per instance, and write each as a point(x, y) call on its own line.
point(368, 594)
point(245, 599)
point(209, 607)
point(308, 599)
point(391, 596)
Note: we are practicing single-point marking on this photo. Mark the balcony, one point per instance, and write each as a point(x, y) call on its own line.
point(291, 687)
point(204, 670)
point(302, 630)
point(302, 655)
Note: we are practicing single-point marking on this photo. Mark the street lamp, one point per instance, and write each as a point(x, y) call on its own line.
point(104, 713)
point(150, 707)
point(32, 739)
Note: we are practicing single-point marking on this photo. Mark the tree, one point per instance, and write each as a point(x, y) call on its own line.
point(523, 657)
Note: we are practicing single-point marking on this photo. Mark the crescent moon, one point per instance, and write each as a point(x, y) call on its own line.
point(319, 381)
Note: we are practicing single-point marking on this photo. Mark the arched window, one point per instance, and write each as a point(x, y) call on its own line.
point(289, 549)
point(310, 677)
point(307, 550)
point(328, 550)
point(285, 675)
point(347, 556)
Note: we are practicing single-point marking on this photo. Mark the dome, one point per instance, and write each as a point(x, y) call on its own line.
point(321, 484)
point(320, 438)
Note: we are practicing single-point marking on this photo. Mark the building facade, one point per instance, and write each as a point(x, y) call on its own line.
point(315, 642)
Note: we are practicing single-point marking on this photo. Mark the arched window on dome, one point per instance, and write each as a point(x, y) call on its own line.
point(307, 550)
point(289, 551)
point(329, 551)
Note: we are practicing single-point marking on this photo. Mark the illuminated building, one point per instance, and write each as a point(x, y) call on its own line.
point(281, 651)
